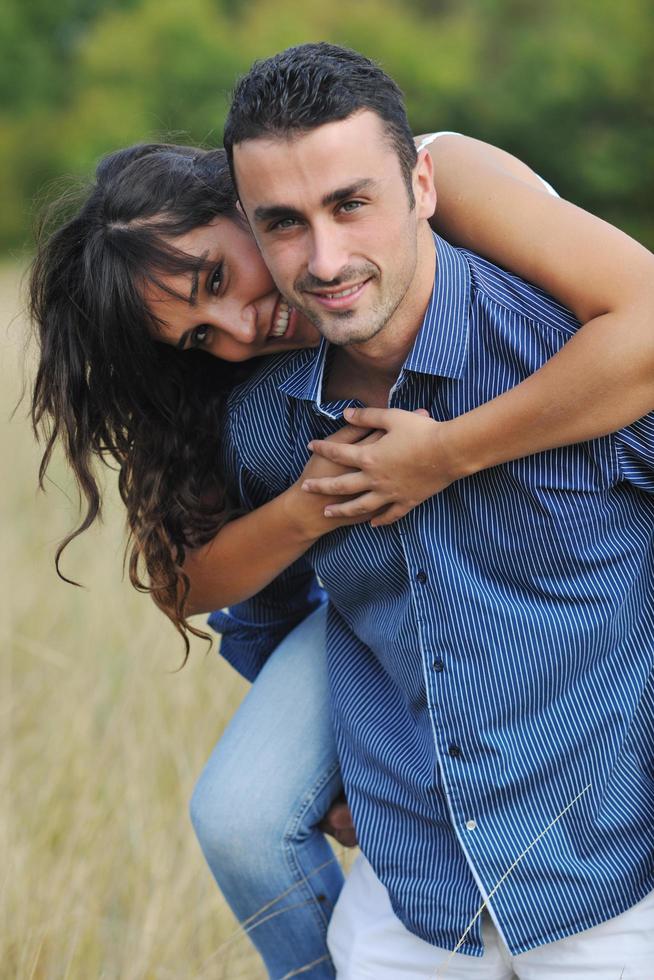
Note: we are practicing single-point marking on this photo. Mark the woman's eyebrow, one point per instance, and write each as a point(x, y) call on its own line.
point(195, 284)
point(181, 343)
point(195, 279)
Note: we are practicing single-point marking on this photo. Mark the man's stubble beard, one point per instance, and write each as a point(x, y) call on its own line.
point(377, 320)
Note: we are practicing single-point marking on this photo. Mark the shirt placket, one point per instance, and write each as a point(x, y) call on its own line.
point(427, 580)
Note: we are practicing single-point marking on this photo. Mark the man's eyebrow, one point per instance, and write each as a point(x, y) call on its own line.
point(270, 212)
point(350, 191)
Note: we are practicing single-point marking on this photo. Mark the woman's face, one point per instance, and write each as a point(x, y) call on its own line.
point(233, 311)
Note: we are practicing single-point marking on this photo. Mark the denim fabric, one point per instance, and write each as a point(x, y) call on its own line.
point(269, 780)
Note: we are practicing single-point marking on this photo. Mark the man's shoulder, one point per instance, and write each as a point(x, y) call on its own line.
point(491, 284)
point(266, 378)
point(257, 446)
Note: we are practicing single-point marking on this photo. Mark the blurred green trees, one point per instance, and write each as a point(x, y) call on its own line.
point(568, 87)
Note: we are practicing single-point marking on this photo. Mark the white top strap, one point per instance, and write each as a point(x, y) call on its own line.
point(430, 137)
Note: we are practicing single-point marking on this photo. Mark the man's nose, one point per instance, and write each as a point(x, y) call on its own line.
point(327, 256)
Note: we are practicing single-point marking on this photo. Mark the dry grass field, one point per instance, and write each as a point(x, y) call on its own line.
point(101, 742)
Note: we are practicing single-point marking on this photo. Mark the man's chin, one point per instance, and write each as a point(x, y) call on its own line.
point(340, 330)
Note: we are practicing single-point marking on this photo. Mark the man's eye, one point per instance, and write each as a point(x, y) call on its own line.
point(350, 206)
point(215, 280)
point(200, 335)
point(283, 224)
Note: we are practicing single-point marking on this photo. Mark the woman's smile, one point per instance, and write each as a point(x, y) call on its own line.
point(234, 312)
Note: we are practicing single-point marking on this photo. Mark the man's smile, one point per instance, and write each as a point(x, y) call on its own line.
point(338, 299)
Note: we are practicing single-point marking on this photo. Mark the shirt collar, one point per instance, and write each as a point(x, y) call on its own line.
point(305, 382)
point(439, 348)
point(441, 344)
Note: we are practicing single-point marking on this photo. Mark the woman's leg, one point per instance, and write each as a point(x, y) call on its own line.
point(255, 808)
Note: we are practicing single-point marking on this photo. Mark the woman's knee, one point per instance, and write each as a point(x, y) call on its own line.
point(228, 826)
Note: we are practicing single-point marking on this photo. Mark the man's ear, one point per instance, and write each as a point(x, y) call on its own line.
point(423, 185)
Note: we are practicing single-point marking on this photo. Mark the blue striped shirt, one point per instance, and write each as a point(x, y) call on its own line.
point(490, 654)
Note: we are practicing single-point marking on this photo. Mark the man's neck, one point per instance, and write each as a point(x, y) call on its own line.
point(368, 371)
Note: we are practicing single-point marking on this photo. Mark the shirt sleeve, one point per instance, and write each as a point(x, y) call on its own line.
point(635, 450)
point(252, 629)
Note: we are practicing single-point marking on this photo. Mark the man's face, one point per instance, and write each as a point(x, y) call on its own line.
point(330, 211)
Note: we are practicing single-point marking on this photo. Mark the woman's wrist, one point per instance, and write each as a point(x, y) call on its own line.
point(462, 448)
point(303, 515)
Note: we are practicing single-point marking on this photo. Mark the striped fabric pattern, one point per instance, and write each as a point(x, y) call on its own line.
point(491, 653)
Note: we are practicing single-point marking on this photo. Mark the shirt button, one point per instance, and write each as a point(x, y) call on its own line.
point(438, 665)
point(454, 751)
point(421, 577)
point(471, 824)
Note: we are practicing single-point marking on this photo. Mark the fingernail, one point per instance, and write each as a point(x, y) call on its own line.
point(328, 513)
point(348, 413)
point(306, 486)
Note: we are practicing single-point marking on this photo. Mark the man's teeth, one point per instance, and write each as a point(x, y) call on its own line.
point(344, 292)
point(280, 325)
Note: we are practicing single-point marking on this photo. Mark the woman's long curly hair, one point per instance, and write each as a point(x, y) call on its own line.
point(106, 389)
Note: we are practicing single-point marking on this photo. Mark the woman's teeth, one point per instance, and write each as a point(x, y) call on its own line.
point(280, 326)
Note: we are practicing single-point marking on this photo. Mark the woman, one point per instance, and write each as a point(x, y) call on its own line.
point(159, 261)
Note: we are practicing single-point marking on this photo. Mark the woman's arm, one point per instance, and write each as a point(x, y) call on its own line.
point(250, 551)
point(603, 378)
point(600, 381)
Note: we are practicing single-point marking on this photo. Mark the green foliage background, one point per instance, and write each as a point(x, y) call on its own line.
point(566, 86)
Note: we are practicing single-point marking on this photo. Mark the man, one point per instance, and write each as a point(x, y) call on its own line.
point(490, 655)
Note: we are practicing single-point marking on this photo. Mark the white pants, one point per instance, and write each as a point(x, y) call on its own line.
point(368, 942)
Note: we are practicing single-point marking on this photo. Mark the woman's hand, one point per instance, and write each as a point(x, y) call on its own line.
point(307, 512)
point(385, 478)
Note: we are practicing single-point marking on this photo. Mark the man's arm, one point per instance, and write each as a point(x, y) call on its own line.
point(635, 451)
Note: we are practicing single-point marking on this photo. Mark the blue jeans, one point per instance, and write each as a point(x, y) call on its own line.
point(268, 782)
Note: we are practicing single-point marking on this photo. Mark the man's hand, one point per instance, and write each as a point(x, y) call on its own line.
point(338, 823)
point(405, 466)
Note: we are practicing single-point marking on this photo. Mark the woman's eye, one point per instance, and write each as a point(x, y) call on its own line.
point(200, 335)
point(215, 280)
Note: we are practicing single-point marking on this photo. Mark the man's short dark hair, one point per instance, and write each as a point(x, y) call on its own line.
point(307, 86)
